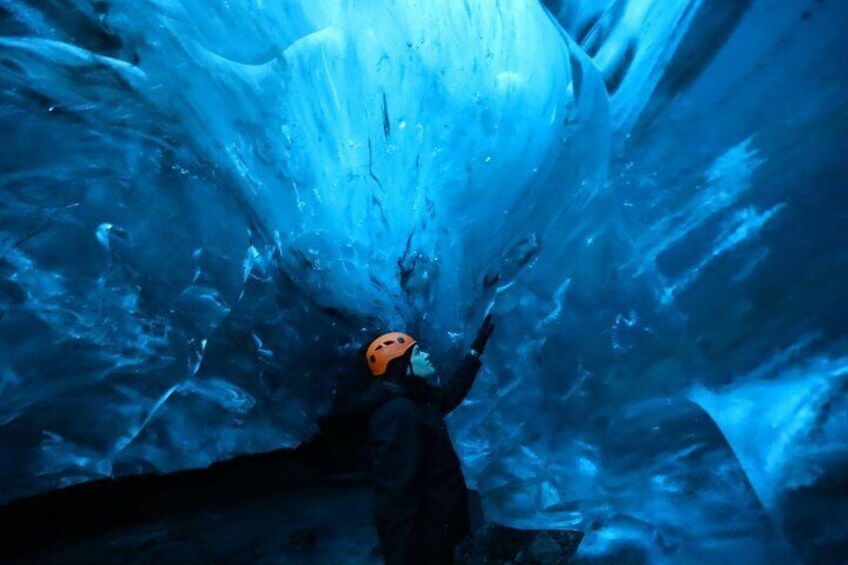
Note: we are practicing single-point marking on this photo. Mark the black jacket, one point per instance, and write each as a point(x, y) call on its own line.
point(421, 506)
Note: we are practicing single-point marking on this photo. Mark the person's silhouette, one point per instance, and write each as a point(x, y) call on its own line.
point(421, 506)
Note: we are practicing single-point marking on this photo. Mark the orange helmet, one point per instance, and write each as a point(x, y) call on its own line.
point(385, 348)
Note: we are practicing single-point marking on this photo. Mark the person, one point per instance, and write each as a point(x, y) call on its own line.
point(421, 506)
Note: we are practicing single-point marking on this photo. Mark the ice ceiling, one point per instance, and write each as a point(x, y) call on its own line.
point(208, 207)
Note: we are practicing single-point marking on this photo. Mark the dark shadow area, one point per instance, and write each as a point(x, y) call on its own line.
point(335, 460)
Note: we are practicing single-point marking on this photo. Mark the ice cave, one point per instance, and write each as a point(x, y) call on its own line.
point(209, 207)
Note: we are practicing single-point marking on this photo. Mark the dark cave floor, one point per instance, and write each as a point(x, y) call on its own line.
point(329, 524)
point(307, 505)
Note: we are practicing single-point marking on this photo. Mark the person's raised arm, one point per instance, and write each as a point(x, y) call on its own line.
point(453, 391)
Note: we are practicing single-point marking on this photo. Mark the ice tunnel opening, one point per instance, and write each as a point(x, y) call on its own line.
point(207, 212)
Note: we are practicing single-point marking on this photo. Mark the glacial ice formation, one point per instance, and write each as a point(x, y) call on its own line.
point(207, 208)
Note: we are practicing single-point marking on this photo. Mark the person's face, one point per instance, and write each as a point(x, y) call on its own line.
point(420, 363)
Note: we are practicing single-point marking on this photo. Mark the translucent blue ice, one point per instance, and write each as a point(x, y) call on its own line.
point(208, 207)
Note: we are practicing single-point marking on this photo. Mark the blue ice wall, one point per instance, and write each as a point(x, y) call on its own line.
point(207, 208)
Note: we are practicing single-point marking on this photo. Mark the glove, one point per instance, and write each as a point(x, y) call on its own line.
point(479, 343)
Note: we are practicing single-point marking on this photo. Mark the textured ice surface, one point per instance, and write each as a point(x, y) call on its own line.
point(208, 207)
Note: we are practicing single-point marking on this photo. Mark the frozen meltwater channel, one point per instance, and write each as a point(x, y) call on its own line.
point(207, 208)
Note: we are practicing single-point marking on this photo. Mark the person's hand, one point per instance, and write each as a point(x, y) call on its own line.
point(479, 343)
